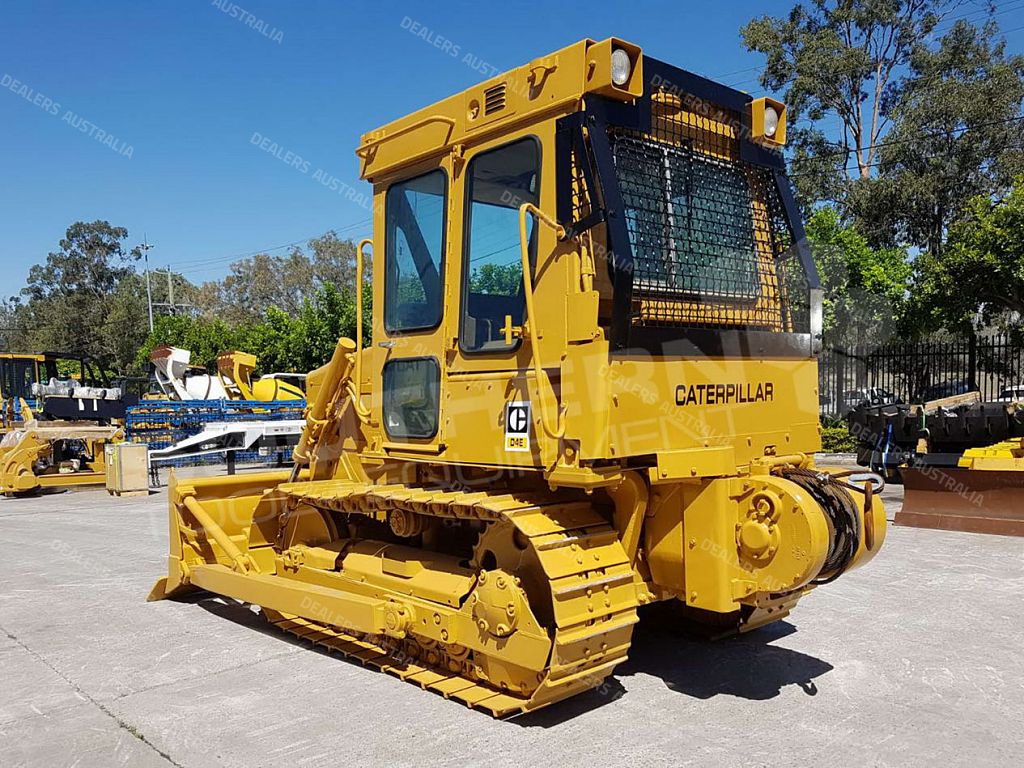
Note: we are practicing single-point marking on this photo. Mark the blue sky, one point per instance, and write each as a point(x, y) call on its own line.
point(183, 93)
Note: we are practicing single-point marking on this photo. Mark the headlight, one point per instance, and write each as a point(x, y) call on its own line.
point(771, 121)
point(621, 66)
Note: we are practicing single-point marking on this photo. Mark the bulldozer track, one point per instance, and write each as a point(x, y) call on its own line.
point(590, 581)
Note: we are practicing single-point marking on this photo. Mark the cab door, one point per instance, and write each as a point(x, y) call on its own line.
point(493, 409)
point(409, 332)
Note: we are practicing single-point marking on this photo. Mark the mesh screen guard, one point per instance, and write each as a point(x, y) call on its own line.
point(705, 248)
point(710, 243)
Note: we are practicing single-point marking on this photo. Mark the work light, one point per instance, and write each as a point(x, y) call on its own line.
point(621, 66)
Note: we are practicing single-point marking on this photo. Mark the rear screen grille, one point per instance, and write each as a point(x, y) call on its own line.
point(710, 243)
point(690, 222)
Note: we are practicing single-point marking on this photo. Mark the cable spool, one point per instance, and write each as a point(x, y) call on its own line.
point(833, 496)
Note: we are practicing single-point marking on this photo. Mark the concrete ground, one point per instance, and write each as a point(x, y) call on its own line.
point(917, 659)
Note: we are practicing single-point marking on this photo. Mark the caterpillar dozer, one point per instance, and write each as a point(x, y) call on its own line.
point(592, 386)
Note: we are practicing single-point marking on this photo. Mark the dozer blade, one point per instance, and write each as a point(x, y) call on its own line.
point(959, 499)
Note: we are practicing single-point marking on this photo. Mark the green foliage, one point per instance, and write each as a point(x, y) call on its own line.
point(74, 301)
point(839, 59)
point(205, 338)
point(263, 280)
point(928, 117)
point(978, 278)
point(925, 114)
point(87, 298)
point(955, 135)
point(865, 288)
point(837, 440)
point(497, 279)
point(281, 342)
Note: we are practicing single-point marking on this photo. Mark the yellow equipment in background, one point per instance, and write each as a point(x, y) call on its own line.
point(13, 409)
point(178, 379)
point(236, 369)
point(44, 455)
point(982, 494)
point(62, 443)
point(592, 386)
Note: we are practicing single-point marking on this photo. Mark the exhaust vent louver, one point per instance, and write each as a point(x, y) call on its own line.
point(494, 99)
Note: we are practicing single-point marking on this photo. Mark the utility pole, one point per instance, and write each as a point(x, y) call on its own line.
point(171, 304)
point(149, 291)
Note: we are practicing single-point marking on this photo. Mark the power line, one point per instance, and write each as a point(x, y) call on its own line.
point(258, 251)
point(932, 134)
point(242, 255)
point(877, 163)
point(1000, 10)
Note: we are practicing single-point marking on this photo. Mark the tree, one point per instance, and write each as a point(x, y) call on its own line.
point(956, 134)
point(69, 298)
point(865, 288)
point(280, 341)
point(978, 279)
point(185, 293)
point(204, 338)
point(126, 323)
point(265, 280)
point(498, 279)
point(334, 260)
point(843, 59)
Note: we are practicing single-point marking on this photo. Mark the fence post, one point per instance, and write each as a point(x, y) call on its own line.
point(841, 362)
point(972, 361)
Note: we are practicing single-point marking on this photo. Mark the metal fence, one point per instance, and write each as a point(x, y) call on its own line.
point(916, 371)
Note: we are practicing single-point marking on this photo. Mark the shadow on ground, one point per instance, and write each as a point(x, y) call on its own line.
point(745, 666)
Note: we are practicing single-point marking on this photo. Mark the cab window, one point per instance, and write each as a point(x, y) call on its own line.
point(414, 214)
point(411, 397)
point(500, 181)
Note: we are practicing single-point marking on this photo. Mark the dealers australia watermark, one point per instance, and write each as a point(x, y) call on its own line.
point(445, 45)
point(273, 34)
point(326, 180)
point(70, 117)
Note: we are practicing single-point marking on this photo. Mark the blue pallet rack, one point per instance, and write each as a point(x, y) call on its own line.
point(160, 423)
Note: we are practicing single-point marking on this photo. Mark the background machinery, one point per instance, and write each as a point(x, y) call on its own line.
point(67, 412)
point(591, 387)
point(178, 379)
point(225, 414)
point(961, 460)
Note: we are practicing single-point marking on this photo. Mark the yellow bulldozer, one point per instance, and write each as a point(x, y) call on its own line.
point(592, 386)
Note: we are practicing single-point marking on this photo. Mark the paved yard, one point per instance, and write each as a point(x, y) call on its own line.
point(917, 659)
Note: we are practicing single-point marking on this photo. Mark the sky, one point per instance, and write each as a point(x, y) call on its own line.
point(162, 116)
